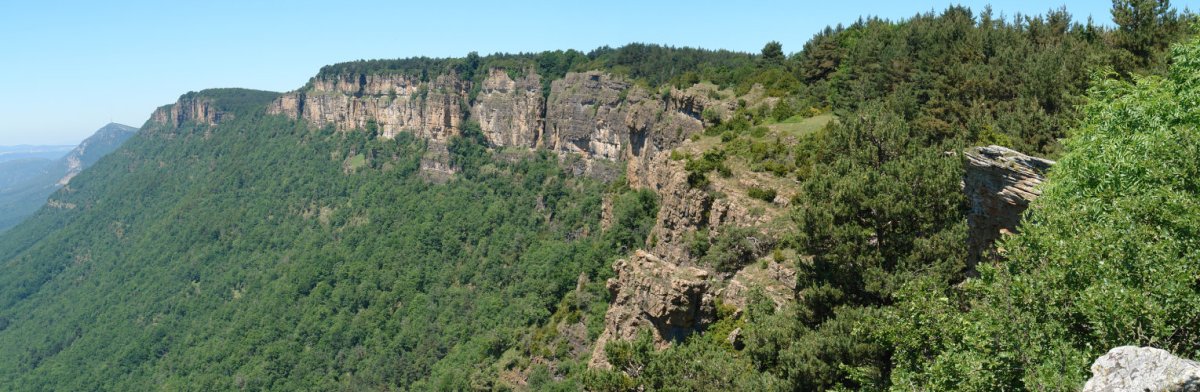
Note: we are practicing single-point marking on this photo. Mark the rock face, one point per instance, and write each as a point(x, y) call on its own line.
point(593, 114)
point(648, 293)
point(999, 184)
point(682, 211)
point(393, 103)
point(510, 111)
point(606, 117)
point(188, 108)
point(1130, 368)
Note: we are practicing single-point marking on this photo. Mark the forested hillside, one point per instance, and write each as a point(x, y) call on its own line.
point(26, 183)
point(633, 218)
point(251, 252)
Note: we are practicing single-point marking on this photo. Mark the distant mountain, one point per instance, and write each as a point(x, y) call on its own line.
point(24, 152)
point(29, 174)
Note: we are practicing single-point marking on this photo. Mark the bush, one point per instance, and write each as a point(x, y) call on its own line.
point(1107, 257)
point(782, 111)
point(711, 117)
point(764, 194)
point(734, 248)
point(698, 168)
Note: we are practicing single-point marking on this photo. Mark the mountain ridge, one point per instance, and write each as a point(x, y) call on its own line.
point(28, 186)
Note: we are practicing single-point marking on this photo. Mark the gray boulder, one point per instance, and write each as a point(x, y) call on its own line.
point(1130, 368)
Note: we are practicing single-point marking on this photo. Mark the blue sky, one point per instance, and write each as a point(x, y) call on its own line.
point(69, 67)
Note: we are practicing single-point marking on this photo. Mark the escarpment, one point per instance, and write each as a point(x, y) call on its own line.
point(189, 107)
point(606, 117)
point(387, 104)
point(211, 107)
point(594, 114)
point(510, 111)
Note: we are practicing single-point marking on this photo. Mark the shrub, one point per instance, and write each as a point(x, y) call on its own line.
point(764, 194)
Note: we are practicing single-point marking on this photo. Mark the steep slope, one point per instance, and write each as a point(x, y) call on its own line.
point(597, 115)
point(342, 266)
point(103, 142)
point(25, 184)
point(772, 233)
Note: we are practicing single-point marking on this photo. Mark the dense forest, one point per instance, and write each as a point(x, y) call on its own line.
point(329, 264)
point(885, 303)
point(267, 253)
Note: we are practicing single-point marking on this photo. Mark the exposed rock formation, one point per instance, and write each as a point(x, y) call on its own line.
point(510, 111)
point(392, 103)
point(594, 114)
point(601, 116)
point(999, 184)
point(682, 211)
point(189, 108)
point(648, 293)
point(1130, 368)
point(777, 281)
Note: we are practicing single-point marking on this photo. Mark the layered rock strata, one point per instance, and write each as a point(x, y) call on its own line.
point(999, 184)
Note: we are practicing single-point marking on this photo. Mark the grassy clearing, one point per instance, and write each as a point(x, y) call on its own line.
point(798, 126)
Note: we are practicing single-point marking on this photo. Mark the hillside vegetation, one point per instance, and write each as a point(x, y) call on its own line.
point(262, 252)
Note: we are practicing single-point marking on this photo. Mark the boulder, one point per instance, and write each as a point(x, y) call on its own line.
point(1130, 368)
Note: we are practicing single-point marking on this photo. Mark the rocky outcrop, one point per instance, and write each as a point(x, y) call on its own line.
point(682, 211)
point(189, 107)
point(594, 114)
point(670, 301)
point(999, 184)
point(387, 104)
point(510, 111)
point(685, 210)
point(776, 280)
point(602, 116)
point(1130, 368)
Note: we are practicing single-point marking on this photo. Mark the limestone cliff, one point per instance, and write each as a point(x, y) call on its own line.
point(596, 115)
point(510, 111)
point(603, 116)
point(999, 184)
point(208, 107)
point(589, 118)
point(393, 103)
point(189, 107)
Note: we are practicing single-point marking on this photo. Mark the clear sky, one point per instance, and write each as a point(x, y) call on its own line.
point(69, 67)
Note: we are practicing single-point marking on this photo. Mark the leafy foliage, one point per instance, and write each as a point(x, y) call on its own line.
point(879, 304)
point(1107, 257)
point(347, 270)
